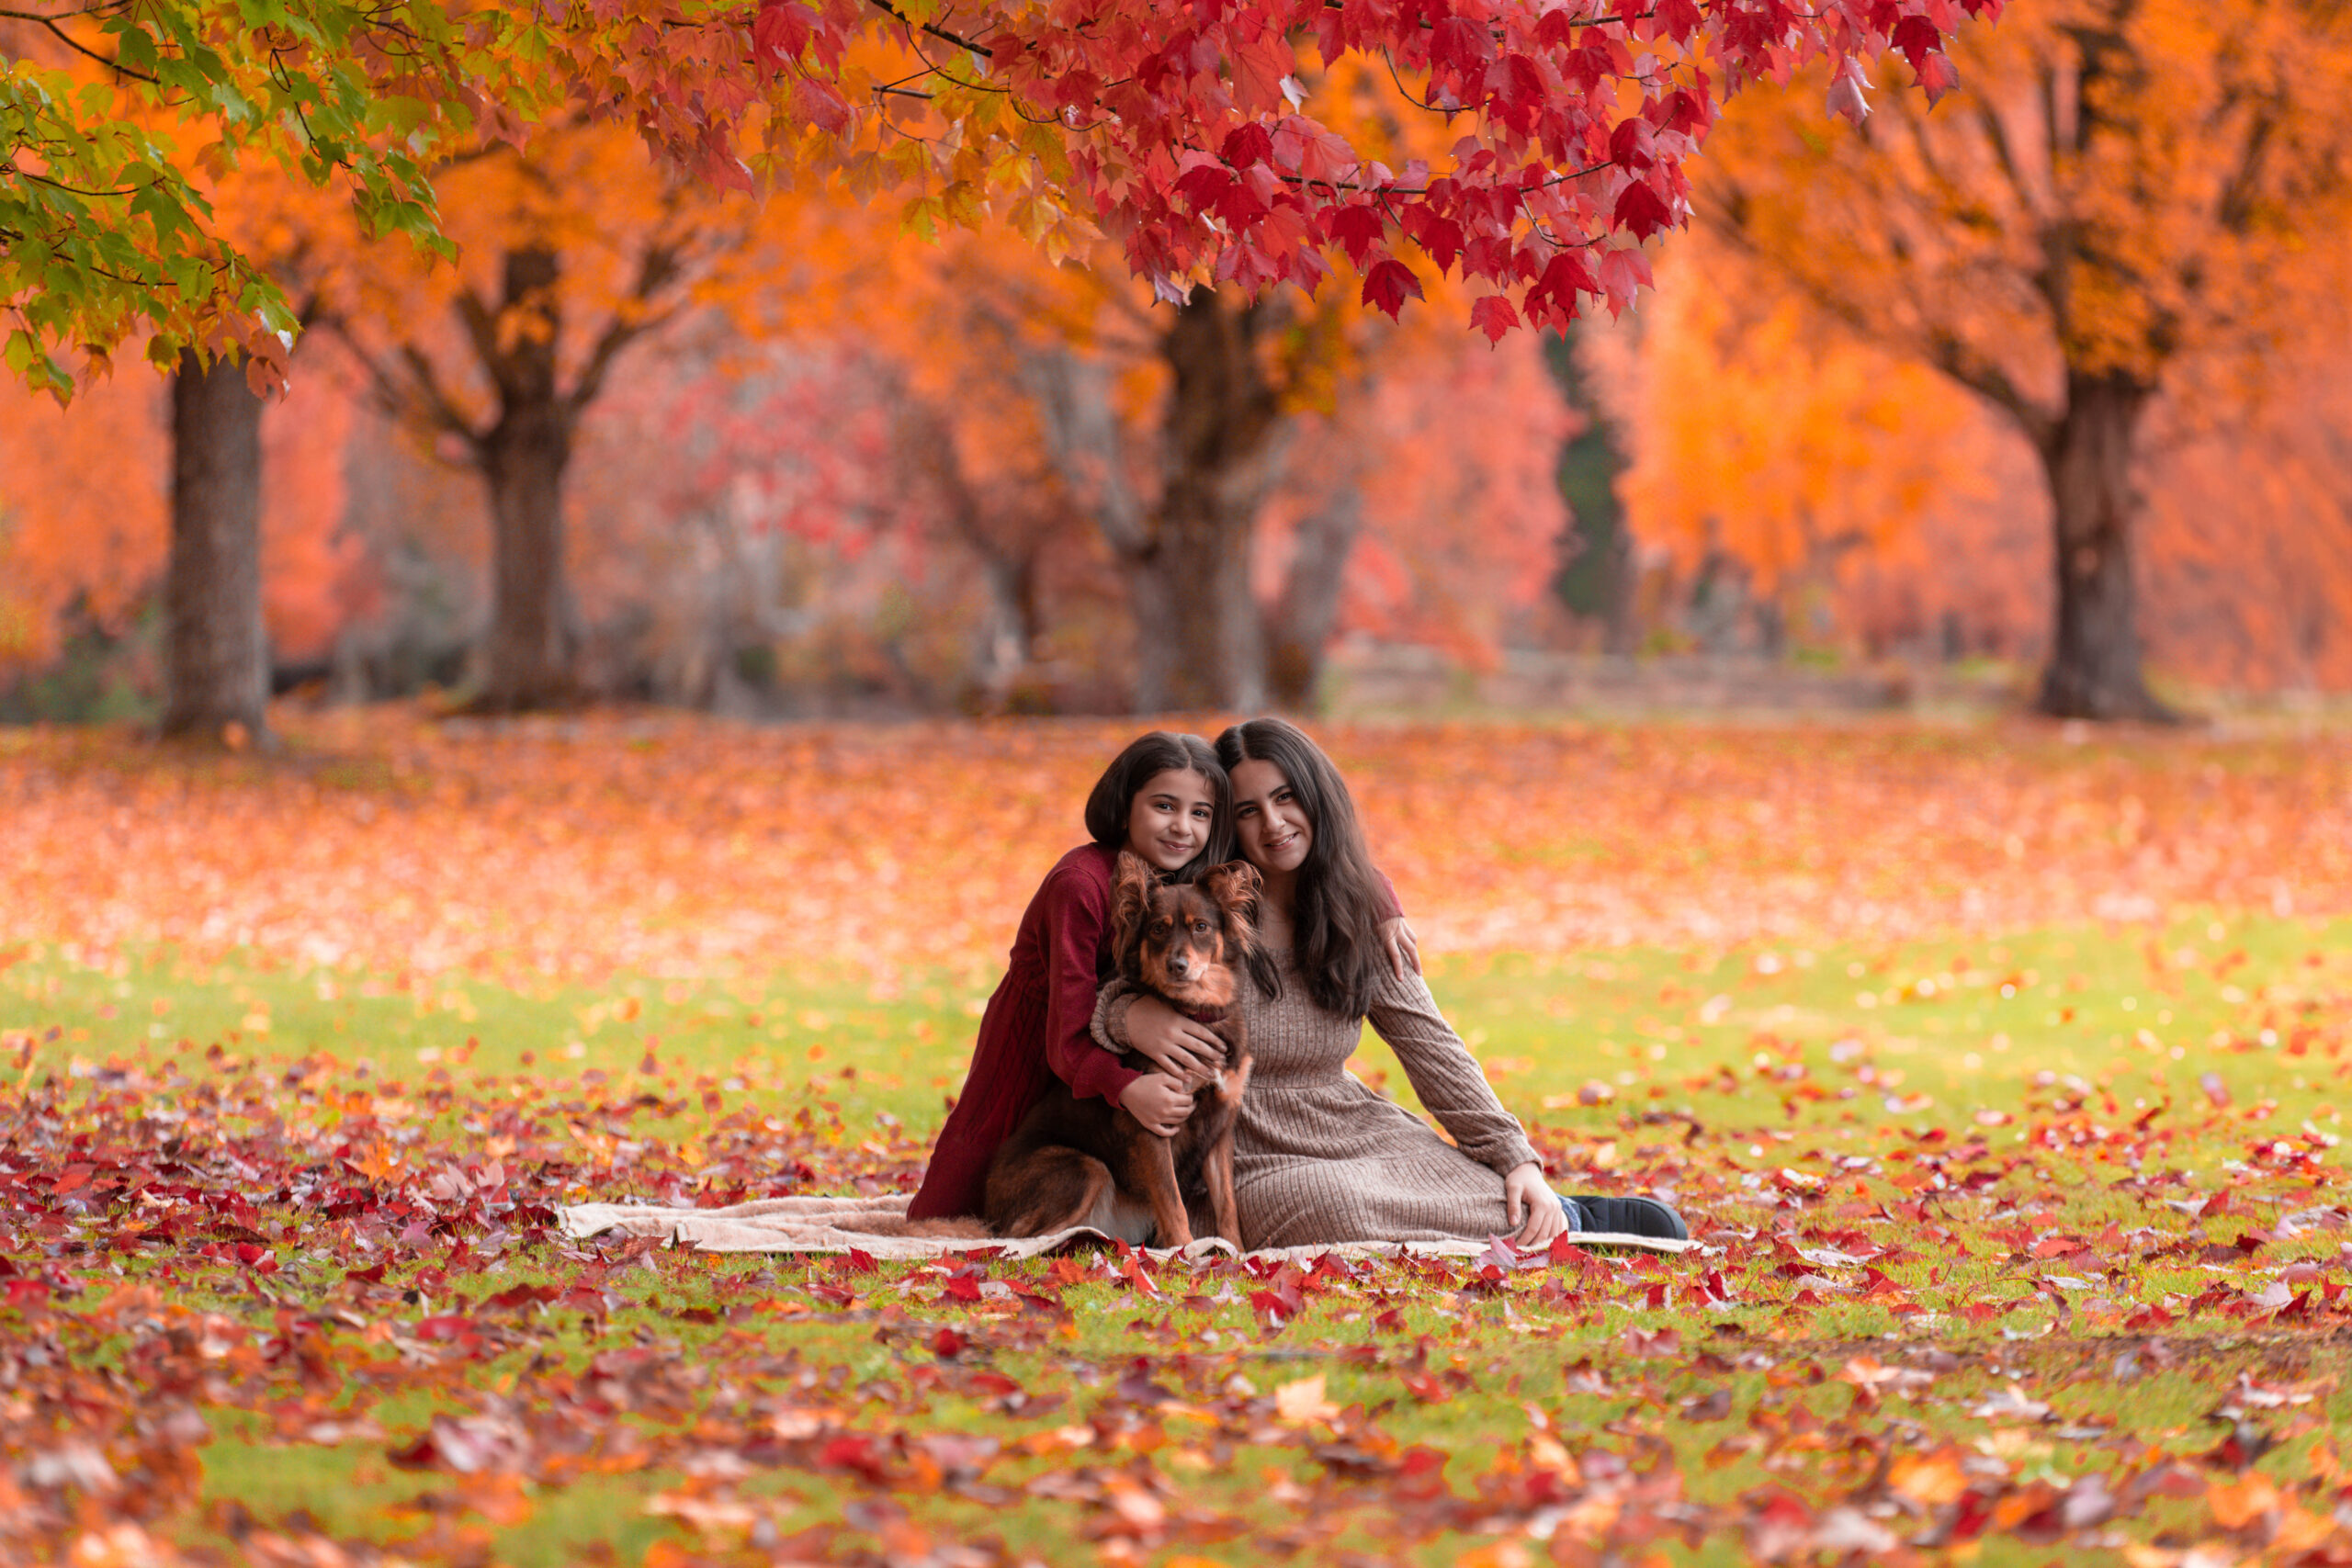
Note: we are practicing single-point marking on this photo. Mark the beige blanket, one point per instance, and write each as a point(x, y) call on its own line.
point(837, 1224)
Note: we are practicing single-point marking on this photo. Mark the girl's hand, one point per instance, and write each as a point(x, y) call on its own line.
point(1160, 1102)
point(1404, 948)
point(1526, 1193)
point(1182, 1048)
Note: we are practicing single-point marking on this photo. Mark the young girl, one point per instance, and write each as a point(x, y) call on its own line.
point(1164, 798)
point(1318, 1157)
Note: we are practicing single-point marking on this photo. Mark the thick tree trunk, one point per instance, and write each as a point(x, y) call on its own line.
point(1151, 601)
point(215, 659)
point(1223, 421)
point(1073, 400)
point(2094, 669)
point(1299, 628)
point(527, 658)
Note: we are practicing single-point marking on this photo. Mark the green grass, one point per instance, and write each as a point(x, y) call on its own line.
point(1870, 1076)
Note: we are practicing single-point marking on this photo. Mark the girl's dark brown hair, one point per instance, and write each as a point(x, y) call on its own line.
point(1147, 757)
point(1337, 902)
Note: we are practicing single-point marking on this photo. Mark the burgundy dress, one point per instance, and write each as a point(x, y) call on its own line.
point(1038, 1027)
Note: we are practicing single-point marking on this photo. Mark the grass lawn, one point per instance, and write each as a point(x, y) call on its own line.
point(2014, 1251)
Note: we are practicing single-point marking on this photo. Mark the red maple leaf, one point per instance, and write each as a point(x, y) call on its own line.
point(1389, 283)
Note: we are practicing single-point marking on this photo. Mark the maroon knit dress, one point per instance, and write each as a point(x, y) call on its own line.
point(1036, 1028)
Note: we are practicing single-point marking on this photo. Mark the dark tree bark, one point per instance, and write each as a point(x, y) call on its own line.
point(1200, 641)
point(1298, 628)
point(215, 657)
point(1083, 437)
point(527, 656)
point(1223, 420)
point(2094, 669)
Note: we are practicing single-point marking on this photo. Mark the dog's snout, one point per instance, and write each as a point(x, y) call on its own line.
point(1179, 964)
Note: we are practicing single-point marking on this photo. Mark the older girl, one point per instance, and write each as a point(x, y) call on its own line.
point(1318, 1157)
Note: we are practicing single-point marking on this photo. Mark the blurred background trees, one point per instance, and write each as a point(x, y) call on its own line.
point(2047, 381)
point(2135, 197)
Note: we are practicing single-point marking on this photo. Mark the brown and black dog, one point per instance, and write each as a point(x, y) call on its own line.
point(1089, 1162)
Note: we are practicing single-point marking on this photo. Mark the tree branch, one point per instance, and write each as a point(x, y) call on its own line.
point(1082, 438)
point(660, 266)
point(961, 42)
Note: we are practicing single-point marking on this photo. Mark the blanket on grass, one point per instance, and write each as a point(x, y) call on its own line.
point(837, 1224)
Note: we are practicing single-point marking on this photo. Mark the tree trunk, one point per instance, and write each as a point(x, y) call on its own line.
point(1223, 420)
point(1300, 626)
point(528, 659)
point(2094, 669)
point(216, 659)
point(1073, 400)
point(1592, 580)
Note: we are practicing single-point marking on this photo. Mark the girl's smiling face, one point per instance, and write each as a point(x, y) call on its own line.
point(1270, 820)
point(1168, 823)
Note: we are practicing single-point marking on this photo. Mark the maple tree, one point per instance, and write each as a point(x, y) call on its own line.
point(216, 654)
point(86, 523)
point(1901, 512)
point(573, 250)
point(1186, 137)
point(1180, 136)
point(2127, 192)
point(115, 116)
point(1263, 473)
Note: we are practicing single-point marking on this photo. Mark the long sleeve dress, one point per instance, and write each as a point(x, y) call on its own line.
point(1034, 1029)
point(1319, 1158)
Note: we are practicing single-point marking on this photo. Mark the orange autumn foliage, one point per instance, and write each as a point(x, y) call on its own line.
point(2127, 202)
point(2116, 188)
point(85, 522)
point(1896, 501)
point(1760, 430)
point(81, 511)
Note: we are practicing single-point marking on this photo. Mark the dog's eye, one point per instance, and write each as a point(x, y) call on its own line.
point(1159, 928)
point(1200, 928)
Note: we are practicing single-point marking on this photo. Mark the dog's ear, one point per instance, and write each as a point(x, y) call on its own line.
point(1235, 887)
point(1131, 886)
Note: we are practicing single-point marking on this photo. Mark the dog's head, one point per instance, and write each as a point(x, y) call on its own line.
point(1183, 940)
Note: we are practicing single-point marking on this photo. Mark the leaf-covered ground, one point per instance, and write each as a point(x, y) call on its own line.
point(1999, 1077)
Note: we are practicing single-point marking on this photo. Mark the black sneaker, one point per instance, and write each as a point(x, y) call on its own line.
point(1631, 1216)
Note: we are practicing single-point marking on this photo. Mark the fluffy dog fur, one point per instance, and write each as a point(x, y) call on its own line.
point(1075, 1161)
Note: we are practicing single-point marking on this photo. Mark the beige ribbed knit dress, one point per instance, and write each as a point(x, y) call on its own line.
point(1320, 1157)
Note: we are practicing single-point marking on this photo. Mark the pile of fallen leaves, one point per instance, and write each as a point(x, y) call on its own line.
point(1893, 1353)
point(675, 845)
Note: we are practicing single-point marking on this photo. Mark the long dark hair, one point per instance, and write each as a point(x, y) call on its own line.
point(1337, 904)
point(1147, 757)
